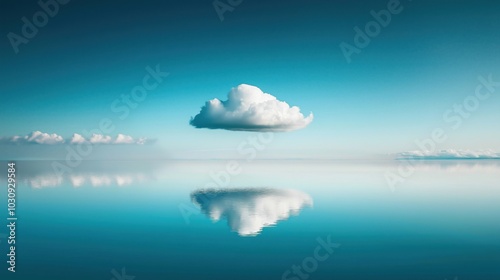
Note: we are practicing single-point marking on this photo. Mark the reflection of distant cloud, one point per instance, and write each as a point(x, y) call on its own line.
point(44, 181)
point(123, 180)
point(450, 154)
point(78, 180)
point(40, 174)
point(457, 166)
point(100, 180)
point(249, 210)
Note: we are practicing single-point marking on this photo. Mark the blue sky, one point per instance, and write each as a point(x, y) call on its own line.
point(395, 91)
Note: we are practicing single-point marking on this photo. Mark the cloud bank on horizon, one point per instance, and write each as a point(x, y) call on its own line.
point(38, 137)
point(450, 154)
point(248, 108)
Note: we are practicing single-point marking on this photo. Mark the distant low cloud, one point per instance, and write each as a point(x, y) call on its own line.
point(38, 137)
point(124, 139)
point(100, 139)
point(77, 139)
point(248, 211)
point(250, 109)
point(35, 137)
point(450, 154)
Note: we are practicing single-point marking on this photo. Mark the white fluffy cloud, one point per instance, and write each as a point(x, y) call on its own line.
point(44, 138)
point(124, 139)
point(248, 211)
point(100, 139)
point(106, 139)
point(38, 137)
point(450, 154)
point(77, 139)
point(249, 109)
point(35, 137)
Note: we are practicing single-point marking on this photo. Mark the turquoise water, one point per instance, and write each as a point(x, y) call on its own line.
point(271, 220)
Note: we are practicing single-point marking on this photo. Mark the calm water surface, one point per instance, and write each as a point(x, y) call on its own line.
point(255, 220)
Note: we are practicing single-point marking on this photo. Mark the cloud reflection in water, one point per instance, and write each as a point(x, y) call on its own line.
point(248, 211)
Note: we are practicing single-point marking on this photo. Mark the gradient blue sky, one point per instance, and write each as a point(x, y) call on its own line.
point(395, 91)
